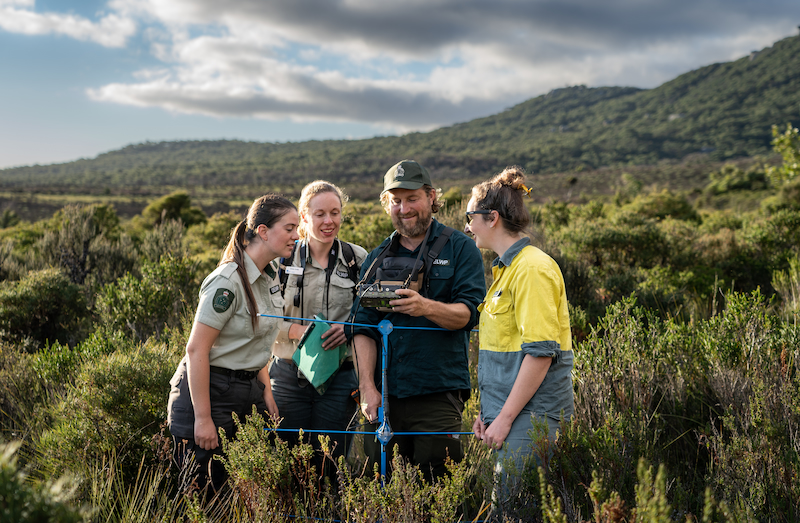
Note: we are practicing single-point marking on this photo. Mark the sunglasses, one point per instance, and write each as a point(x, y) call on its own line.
point(480, 211)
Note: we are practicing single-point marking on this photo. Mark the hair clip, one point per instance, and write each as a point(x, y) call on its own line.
point(526, 190)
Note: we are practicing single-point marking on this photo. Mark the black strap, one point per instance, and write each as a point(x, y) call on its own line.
point(431, 255)
point(283, 276)
point(391, 247)
point(353, 269)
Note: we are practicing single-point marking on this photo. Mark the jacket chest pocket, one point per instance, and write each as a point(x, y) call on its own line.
point(440, 280)
point(498, 324)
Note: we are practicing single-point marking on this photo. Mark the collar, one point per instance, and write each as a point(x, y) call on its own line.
point(337, 244)
point(508, 256)
point(252, 271)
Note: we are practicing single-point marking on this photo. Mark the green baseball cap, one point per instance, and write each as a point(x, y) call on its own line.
point(407, 174)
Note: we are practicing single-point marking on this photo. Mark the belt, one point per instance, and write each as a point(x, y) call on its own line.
point(238, 374)
point(346, 365)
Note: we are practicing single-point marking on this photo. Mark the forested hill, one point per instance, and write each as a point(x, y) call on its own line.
point(725, 110)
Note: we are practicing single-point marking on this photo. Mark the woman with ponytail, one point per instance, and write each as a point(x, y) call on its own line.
point(225, 370)
point(525, 358)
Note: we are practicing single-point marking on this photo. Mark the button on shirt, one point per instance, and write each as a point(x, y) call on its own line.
point(238, 345)
point(525, 312)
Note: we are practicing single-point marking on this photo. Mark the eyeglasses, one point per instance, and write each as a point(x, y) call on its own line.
point(479, 211)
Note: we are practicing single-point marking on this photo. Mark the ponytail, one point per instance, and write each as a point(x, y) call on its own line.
point(266, 210)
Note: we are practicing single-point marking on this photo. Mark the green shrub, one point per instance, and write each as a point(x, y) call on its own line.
point(366, 225)
point(43, 306)
point(787, 144)
point(25, 502)
point(144, 306)
point(205, 242)
point(662, 205)
point(164, 239)
point(22, 393)
point(731, 178)
point(173, 207)
point(70, 240)
point(113, 409)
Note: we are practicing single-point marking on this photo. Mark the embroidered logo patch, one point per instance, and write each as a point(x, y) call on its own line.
point(439, 261)
point(223, 299)
point(400, 172)
point(273, 290)
point(497, 294)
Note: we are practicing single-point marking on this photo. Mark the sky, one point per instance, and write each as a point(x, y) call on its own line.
point(82, 77)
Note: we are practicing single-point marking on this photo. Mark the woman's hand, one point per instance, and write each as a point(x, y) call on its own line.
point(496, 433)
point(333, 337)
point(272, 407)
point(205, 433)
point(479, 427)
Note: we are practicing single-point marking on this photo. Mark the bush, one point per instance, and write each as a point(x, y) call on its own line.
point(732, 178)
point(173, 207)
point(144, 306)
point(23, 502)
point(662, 205)
point(71, 240)
point(113, 409)
point(22, 393)
point(365, 225)
point(43, 306)
point(165, 239)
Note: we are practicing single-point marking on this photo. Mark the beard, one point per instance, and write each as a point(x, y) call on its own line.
point(417, 229)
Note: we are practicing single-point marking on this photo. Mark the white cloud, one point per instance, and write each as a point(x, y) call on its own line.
point(110, 31)
point(411, 64)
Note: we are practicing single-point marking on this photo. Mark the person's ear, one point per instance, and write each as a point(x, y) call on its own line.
point(263, 232)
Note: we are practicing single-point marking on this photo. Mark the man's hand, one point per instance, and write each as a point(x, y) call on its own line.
point(334, 336)
point(411, 303)
point(449, 316)
point(370, 401)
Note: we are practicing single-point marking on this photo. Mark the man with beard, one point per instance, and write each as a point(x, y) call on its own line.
point(428, 370)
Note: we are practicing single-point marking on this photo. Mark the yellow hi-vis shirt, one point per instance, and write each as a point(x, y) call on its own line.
point(525, 312)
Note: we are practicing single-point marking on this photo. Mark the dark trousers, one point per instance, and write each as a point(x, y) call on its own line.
point(437, 412)
point(229, 395)
point(302, 407)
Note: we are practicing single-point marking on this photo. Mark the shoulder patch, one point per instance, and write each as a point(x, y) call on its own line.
point(223, 299)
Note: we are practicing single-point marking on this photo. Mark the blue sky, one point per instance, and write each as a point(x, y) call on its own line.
point(78, 78)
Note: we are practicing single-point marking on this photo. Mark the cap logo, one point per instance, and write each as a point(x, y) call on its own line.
point(400, 172)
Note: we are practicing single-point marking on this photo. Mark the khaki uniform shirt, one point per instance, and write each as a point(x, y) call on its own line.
point(223, 306)
point(334, 302)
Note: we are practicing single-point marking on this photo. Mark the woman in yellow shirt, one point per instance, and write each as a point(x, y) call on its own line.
point(525, 359)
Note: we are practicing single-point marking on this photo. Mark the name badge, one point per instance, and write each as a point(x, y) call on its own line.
point(294, 270)
point(273, 290)
point(342, 274)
